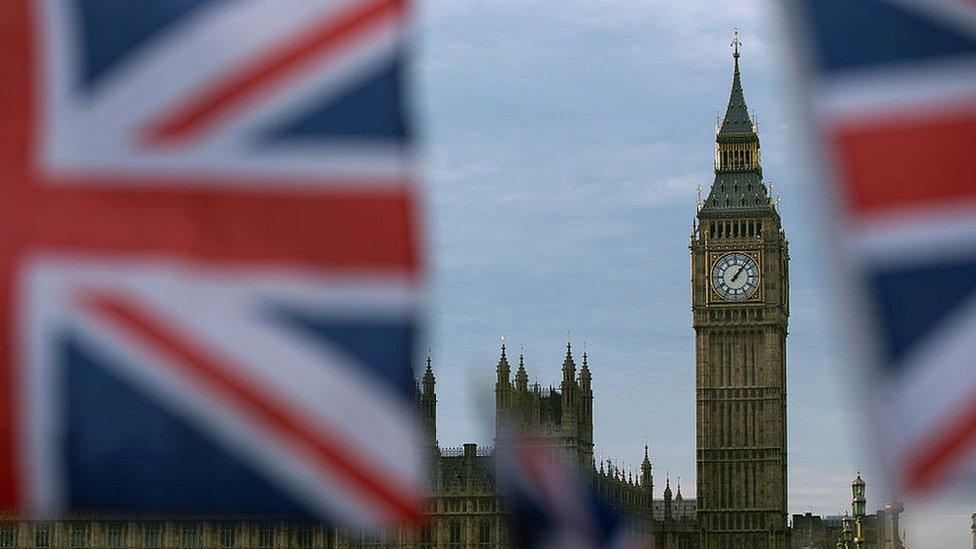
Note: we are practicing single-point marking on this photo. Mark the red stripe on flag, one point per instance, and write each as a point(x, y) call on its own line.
point(250, 398)
point(907, 161)
point(324, 39)
point(926, 467)
point(345, 232)
point(15, 95)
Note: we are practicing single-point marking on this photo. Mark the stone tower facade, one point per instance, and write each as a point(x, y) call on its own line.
point(740, 303)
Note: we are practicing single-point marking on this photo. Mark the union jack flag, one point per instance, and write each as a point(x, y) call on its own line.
point(892, 96)
point(208, 259)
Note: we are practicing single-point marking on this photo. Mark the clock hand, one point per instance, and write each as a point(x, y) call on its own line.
point(737, 273)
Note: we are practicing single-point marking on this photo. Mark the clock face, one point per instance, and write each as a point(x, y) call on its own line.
point(735, 276)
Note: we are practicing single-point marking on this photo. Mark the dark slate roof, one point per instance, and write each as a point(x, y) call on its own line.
point(741, 191)
point(737, 122)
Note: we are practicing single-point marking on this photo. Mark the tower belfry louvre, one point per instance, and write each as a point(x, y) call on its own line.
point(740, 307)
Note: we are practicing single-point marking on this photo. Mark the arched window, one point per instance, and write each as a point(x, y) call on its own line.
point(455, 533)
point(484, 533)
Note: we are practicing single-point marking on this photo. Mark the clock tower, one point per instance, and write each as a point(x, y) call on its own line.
point(740, 307)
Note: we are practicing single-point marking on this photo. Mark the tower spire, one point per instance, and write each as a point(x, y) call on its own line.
point(738, 169)
point(737, 122)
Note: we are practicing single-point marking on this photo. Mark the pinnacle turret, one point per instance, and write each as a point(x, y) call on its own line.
point(646, 481)
point(667, 496)
point(521, 376)
point(429, 380)
point(503, 368)
point(569, 365)
point(503, 392)
point(428, 402)
point(585, 377)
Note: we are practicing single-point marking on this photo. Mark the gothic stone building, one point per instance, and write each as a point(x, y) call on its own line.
point(465, 509)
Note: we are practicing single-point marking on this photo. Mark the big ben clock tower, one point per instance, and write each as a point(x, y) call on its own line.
point(740, 304)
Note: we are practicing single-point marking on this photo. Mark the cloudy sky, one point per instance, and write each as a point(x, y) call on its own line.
point(563, 143)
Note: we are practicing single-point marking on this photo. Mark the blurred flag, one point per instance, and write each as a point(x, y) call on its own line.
point(892, 96)
point(552, 506)
point(208, 259)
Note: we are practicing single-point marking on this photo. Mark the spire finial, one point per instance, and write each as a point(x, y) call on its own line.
point(645, 452)
point(503, 346)
point(736, 42)
point(428, 375)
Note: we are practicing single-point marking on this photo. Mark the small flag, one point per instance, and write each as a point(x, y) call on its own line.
point(209, 260)
point(891, 94)
point(552, 505)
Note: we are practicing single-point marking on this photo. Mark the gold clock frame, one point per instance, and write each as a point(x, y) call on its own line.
point(715, 298)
